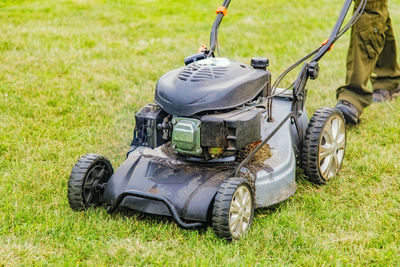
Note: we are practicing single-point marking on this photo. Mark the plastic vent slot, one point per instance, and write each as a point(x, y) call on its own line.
point(197, 73)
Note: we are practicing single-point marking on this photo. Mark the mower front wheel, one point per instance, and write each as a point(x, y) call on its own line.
point(87, 180)
point(324, 145)
point(233, 208)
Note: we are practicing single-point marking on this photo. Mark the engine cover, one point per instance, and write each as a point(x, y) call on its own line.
point(186, 136)
point(210, 84)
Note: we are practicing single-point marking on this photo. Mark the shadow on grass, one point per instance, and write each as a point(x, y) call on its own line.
point(154, 219)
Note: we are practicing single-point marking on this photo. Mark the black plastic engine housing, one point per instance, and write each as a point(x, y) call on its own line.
point(210, 84)
point(146, 132)
point(232, 130)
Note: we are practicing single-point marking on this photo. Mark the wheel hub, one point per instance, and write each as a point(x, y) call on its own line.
point(94, 183)
point(240, 212)
point(331, 150)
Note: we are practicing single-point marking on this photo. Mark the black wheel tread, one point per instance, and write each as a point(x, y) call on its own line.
point(309, 154)
point(220, 214)
point(77, 178)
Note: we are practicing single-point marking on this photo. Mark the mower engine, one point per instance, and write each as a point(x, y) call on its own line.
point(206, 110)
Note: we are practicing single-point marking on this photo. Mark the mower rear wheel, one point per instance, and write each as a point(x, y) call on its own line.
point(233, 208)
point(87, 180)
point(324, 145)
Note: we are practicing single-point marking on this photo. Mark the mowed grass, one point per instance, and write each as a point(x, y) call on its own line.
point(72, 76)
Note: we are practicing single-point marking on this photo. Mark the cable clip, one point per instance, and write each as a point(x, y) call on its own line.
point(325, 42)
point(222, 10)
point(202, 48)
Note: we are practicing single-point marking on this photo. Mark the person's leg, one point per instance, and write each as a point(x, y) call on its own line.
point(366, 43)
point(387, 71)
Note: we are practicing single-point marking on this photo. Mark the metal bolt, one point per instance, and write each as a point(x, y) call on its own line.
point(174, 121)
point(376, 30)
point(198, 150)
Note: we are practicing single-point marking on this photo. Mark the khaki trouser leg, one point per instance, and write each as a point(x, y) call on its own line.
point(367, 54)
point(387, 69)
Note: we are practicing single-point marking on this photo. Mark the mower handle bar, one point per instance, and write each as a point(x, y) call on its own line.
point(214, 30)
point(324, 49)
point(333, 37)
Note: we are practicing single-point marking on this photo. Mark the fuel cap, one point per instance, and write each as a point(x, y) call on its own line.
point(259, 63)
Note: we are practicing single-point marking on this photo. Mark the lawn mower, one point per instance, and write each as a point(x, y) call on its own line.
point(219, 141)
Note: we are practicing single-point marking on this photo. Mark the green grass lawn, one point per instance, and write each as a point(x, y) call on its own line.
point(72, 75)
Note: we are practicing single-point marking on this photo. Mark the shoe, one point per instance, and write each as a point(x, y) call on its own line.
point(381, 95)
point(395, 93)
point(349, 111)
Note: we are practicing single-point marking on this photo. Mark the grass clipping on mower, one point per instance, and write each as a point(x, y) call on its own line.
point(259, 157)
